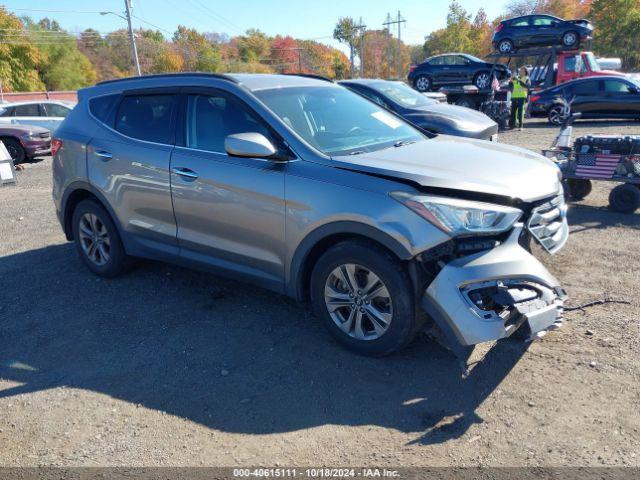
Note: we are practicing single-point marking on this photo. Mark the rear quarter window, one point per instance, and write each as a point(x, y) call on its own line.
point(100, 107)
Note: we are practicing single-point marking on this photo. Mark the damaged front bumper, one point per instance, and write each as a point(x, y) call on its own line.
point(489, 295)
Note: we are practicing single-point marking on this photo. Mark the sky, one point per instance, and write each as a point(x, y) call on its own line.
point(310, 19)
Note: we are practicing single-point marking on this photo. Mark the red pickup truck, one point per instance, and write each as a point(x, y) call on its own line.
point(574, 64)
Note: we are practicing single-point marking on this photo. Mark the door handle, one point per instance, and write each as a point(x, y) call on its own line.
point(103, 155)
point(185, 172)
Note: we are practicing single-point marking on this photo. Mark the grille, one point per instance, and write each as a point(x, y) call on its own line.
point(548, 224)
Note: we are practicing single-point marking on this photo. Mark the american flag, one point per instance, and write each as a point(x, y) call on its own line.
point(596, 165)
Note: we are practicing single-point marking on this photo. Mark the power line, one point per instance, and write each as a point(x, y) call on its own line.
point(399, 21)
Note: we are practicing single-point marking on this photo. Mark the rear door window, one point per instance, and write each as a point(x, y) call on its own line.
point(29, 110)
point(584, 88)
point(147, 117)
point(521, 23)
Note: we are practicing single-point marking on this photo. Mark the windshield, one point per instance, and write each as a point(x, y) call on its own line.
point(337, 121)
point(593, 63)
point(402, 94)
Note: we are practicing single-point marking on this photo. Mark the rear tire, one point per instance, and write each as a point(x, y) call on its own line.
point(17, 153)
point(423, 83)
point(97, 240)
point(625, 198)
point(571, 40)
point(506, 46)
point(339, 297)
point(466, 102)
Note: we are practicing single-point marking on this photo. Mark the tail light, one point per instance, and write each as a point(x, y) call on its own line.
point(534, 98)
point(412, 68)
point(499, 27)
point(56, 145)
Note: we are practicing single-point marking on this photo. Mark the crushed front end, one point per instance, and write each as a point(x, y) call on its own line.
point(486, 288)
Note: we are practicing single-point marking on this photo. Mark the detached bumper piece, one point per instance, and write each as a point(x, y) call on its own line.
point(489, 295)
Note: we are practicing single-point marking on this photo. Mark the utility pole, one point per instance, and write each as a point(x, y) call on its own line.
point(362, 29)
point(398, 21)
point(132, 38)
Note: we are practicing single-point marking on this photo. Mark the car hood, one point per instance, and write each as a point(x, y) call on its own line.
point(17, 129)
point(461, 117)
point(464, 164)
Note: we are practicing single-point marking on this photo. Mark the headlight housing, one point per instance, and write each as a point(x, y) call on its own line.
point(461, 217)
point(29, 135)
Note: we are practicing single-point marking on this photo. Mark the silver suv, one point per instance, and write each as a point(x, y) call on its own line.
point(300, 186)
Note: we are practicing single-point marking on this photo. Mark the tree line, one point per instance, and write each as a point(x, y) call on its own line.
point(41, 55)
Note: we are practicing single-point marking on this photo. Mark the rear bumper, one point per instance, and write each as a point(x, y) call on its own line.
point(489, 295)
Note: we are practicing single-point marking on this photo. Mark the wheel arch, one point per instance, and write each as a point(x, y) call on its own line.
point(323, 238)
point(74, 194)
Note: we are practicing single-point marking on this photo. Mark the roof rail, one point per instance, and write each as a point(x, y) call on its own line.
point(173, 75)
point(309, 75)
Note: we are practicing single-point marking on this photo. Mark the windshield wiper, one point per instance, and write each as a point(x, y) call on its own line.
point(402, 143)
point(357, 152)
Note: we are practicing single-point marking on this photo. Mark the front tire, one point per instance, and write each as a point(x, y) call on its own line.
point(17, 153)
point(423, 83)
point(579, 189)
point(364, 297)
point(625, 198)
point(97, 240)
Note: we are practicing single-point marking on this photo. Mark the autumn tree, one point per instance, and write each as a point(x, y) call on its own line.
point(286, 56)
point(348, 32)
point(19, 59)
point(617, 27)
point(198, 53)
point(62, 66)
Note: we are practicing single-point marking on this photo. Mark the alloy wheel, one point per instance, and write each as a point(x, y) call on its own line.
point(505, 46)
point(94, 239)
point(423, 84)
point(482, 81)
point(358, 302)
point(569, 39)
point(557, 115)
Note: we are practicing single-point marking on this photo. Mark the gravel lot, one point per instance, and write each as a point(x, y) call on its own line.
point(170, 367)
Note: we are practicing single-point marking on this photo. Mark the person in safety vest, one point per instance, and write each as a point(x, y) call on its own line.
point(519, 87)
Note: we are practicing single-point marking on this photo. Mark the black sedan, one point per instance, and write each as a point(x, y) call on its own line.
point(454, 69)
point(593, 97)
point(540, 30)
point(428, 115)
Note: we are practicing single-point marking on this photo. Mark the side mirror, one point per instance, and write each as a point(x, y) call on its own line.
point(251, 145)
point(634, 90)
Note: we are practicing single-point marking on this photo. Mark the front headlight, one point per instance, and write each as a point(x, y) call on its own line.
point(461, 217)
